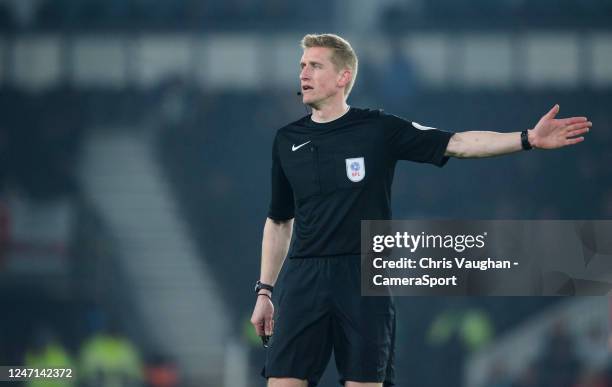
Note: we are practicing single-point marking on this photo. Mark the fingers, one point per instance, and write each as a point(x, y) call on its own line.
point(259, 327)
point(553, 112)
point(264, 327)
point(258, 324)
point(578, 126)
point(576, 132)
point(573, 120)
point(263, 318)
point(269, 326)
point(572, 141)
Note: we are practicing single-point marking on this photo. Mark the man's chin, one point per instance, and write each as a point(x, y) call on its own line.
point(311, 104)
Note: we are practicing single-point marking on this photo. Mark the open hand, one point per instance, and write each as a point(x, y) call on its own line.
point(552, 133)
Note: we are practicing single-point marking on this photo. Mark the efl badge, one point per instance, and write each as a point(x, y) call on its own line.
point(355, 169)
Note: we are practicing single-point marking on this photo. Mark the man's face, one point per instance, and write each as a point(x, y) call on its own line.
point(319, 79)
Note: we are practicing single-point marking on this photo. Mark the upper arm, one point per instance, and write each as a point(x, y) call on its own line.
point(281, 201)
point(414, 142)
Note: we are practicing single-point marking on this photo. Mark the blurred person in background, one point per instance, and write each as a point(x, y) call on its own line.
point(109, 359)
point(456, 330)
point(330, 170)
point(591, 347)
point(47, 351)
point(559, 364)
point(161, 371)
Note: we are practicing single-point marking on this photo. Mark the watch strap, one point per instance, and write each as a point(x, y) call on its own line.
point(260, 285)
point(525, 141)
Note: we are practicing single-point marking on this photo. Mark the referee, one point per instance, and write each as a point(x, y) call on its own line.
point(330, 170)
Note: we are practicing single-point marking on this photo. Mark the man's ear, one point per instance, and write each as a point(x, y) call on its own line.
point(345, 77)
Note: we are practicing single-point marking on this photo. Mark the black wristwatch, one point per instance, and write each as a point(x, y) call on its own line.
point(525, 141)
point(259, 285)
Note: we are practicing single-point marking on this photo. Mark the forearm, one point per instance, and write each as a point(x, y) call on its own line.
point(483, 144)
point(274, 248)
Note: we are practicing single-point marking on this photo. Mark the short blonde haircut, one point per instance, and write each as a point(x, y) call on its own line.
point(343, 55)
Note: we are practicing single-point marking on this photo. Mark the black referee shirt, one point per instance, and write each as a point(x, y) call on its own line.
point(330, 176)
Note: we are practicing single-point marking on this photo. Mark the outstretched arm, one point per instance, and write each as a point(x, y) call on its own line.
point(549, 133)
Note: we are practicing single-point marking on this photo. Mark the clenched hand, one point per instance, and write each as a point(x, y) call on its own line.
point(263, 316)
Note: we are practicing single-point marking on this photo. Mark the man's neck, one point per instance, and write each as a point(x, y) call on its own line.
point(328, 113)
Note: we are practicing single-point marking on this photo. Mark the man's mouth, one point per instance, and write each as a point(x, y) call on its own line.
point(306, 88)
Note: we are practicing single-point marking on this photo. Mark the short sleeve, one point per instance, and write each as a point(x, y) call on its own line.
point(412, 141)
point(281, 202)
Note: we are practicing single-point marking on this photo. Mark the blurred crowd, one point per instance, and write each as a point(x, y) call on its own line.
point(103, 357)
point(564, 360)
point(40, 135)
point(274, 14)
point(214, 148)
point(500, 14)
point(148, 14)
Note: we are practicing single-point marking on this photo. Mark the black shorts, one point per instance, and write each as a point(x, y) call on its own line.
point(319, 307)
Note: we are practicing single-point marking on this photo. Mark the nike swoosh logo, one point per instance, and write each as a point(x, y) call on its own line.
point(294, 148)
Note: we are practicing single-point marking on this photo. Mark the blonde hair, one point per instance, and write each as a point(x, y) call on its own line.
point(343, 55)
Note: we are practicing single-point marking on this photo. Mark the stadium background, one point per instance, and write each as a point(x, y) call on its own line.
point(135, 145)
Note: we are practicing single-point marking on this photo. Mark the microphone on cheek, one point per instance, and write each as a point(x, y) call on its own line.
point(299, 93)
